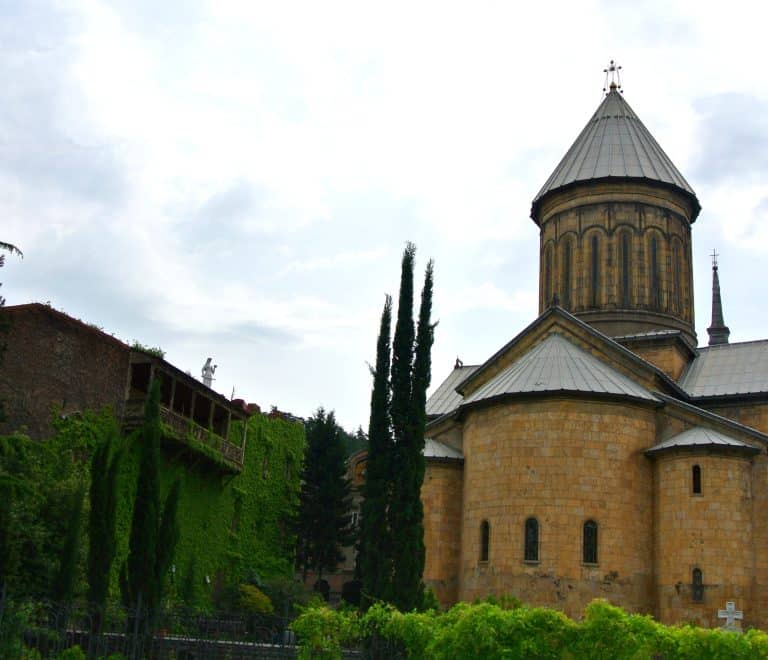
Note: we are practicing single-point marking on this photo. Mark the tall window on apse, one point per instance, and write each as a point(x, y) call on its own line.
point(567, 275)
point(590, 542)
point(696, 480)
point(531, 540)
point(485, 540)
point(697, 585)
point(594, 270)
point(655, 283)
point(677, 272)
point(548, 277)
point(625, 251)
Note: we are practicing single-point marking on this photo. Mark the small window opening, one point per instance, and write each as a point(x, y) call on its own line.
point(696, 479)
point(655, 285)
point(595, 270)
point(697, 586)
point(625, 266)
point(531, 540)
point(567, 275)
point(485, 540)
point(590, 542)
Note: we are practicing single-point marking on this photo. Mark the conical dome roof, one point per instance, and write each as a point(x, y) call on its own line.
point(615, 144)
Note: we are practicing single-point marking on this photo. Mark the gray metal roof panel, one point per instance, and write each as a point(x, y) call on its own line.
point(445, 398)
point(437, 449)
point(728, 369)
point(556, 364)
point(615, 143)
point(701, 437)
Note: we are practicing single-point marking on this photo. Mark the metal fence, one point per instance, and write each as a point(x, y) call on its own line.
point(32, 630)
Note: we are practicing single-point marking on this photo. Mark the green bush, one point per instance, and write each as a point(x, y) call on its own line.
point(254, 601)
point(72, 653)
point(489, 630)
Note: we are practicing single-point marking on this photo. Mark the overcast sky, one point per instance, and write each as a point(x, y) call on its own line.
point(238, 179)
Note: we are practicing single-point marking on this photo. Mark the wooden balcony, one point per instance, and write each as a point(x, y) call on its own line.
point(182, 430)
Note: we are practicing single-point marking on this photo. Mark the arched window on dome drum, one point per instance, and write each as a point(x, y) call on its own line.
point(697, 585)
point(548, 276)
point(625, 251)
point(655, 280)
point(485, 540)
point(677, 271)
point(531, 540)
point(594, 270)
point(590, 542)
point(696, 480)
point(566, 297)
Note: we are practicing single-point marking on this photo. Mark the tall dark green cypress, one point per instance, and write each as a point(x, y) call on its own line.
point(64, 582)
point(140, 578)
point(102, 539)
point(374, 560)
point(168, 537)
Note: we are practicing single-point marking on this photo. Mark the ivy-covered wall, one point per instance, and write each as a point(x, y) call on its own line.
point(233, 527)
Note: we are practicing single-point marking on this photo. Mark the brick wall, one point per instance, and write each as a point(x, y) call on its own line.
point(56, 362)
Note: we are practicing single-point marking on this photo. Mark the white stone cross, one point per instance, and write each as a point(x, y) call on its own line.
point(730, 614)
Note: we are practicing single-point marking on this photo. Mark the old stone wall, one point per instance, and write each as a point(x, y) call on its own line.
point(55, 362)
point(584, 263)
point(564, 462)
point(710, 531)
point(441, 495)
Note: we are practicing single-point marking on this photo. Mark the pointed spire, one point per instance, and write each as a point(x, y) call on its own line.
point(718, 331)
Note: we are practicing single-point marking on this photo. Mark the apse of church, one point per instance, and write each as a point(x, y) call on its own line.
point(600, 452)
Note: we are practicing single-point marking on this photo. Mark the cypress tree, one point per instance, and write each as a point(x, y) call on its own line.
point(64, 582)
point(374, 560)
point(140, 579)
point(409, 558)
point(168, 537)
point(102, 541)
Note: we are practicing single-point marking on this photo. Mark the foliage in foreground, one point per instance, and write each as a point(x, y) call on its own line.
point(488, 631)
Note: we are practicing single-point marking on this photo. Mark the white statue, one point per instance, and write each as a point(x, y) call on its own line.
point(208, 371)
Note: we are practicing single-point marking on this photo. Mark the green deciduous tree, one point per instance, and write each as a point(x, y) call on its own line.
point(324, 524)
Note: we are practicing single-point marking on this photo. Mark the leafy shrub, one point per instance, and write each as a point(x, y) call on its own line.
point(72, 653)
point(254, 601)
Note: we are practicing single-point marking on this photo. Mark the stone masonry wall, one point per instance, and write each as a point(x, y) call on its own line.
point(56, 362)
point(711, 531)
point(441, 495)
point(563, 462)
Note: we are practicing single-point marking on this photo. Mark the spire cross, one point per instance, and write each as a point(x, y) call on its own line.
point(714, 256)
point(612, 72)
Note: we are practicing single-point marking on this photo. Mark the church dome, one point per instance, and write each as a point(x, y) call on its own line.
point(615, 145)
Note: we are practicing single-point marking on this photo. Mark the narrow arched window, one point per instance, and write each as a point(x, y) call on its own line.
point(590, 542)
point(696, 480)
point(677, 271)
point(594, 270)
point(531, 540)
point(485, 540)
point(548, 277)
point(697, 585)
point(655, 279)
point(625, 251)
point(567, 275)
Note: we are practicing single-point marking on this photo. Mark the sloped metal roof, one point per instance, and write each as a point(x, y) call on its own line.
point(701, 437)
point(437, 449)
point(615, 143)
point(556, 365)
point(726, 369)
point(445, 398)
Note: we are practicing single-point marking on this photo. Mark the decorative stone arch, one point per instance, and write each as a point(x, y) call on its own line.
point(596, 247)
point(678, 275)
point(656, 273)
point(568, 245)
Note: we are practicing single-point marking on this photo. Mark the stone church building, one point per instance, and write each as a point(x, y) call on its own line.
point(600, 452)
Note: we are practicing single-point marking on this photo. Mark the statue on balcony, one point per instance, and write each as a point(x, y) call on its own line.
point(208, 371)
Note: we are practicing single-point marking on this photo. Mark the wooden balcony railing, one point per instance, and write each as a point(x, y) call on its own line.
point(182, 428)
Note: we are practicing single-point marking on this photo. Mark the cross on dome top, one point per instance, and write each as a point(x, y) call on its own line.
point(714, 256)
point(612, 72)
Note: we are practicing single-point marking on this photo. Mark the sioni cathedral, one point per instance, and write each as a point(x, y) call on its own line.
point(600, 452)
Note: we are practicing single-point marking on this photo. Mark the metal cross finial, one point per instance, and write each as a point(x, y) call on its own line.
point(714, 256)
point(612, 72)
